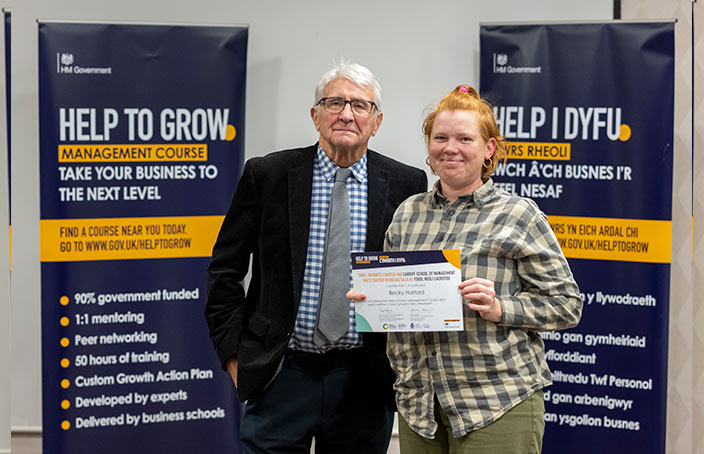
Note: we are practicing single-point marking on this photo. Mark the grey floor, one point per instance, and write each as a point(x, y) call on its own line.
point(32, 444)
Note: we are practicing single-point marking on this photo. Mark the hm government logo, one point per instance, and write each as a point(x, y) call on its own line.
point(64, 65)
point(66, 59)
point(501, 66)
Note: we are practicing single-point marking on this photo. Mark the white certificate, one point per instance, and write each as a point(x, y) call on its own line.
point(408, 291)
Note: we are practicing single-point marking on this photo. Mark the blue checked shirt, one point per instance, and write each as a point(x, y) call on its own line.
point(323, 178)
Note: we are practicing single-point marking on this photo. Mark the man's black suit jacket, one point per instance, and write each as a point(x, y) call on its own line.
point(269, 219)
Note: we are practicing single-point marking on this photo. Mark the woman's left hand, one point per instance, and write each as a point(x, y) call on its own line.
point(480, 296)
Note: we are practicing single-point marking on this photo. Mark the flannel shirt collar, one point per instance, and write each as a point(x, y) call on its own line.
point(479, 197)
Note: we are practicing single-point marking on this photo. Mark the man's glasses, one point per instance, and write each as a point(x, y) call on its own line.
point(336, 105)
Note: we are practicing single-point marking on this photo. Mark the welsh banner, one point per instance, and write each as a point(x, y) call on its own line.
point(141, 145)
point(588, 113)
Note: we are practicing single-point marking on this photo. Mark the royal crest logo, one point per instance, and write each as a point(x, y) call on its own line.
point(65, 65)
point(502, 59)
point(66, 59)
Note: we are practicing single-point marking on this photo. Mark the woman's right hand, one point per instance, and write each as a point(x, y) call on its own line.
point(356, 296)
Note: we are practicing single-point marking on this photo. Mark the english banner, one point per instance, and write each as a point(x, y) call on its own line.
point(141, 144)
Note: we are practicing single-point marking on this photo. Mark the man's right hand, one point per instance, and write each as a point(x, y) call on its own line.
point(232, 369)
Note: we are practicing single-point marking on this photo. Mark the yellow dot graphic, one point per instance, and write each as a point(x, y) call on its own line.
point(65, 383)
point(65, 363)
point(65, 404)
point(65, 425)
point(230, 133)
point(625, 133)
point(64, 321)
point(63, 300)
point(64, 342)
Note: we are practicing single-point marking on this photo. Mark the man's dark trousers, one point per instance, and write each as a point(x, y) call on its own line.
point(325, 397)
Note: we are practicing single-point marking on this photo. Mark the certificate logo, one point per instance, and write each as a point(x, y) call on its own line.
point(385, 326)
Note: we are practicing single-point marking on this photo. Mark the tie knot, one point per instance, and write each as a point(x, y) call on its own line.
point(342, 174)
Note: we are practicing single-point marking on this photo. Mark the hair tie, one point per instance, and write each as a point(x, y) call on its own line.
point(464, 88)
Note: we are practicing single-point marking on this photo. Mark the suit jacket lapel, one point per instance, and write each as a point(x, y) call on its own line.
point(377, 194)
point(300, 188)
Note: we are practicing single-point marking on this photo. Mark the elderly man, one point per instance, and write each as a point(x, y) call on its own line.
point(290, 341)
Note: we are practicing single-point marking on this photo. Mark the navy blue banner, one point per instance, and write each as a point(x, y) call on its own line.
point(141, 145)
point(588, 113)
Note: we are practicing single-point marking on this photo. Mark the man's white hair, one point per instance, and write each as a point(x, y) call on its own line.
point(353, 72)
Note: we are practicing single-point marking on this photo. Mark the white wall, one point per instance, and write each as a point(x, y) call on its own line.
point(419, 51)
point(685, 378)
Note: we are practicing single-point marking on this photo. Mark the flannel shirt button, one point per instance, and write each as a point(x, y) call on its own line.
point(434, 353)
point(451, 212)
